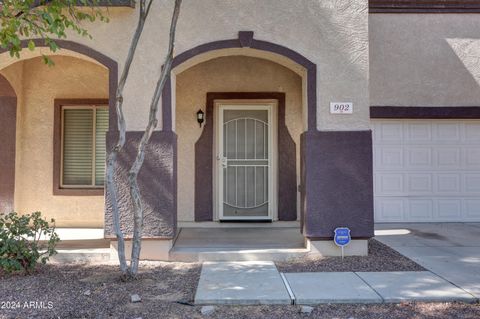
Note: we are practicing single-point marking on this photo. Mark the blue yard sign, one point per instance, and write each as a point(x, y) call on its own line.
point(342, 237)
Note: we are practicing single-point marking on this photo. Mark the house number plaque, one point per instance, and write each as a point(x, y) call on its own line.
point(341, 107)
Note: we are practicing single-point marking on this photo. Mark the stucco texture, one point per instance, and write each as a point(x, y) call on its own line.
point(227, 74)
point(332, 34)
point(424, 59)
point(37, 85)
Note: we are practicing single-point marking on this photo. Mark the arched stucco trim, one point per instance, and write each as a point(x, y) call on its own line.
point(246, 40)
point(101, 58)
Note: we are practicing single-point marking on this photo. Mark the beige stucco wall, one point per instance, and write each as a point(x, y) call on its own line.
point(227, 74)
point(37, 85)
point(425, 59)
point(333, 34)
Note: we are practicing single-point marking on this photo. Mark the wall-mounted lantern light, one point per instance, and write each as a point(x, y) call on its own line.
point(200, 117)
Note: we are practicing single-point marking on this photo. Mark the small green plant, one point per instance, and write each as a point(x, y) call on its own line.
point(21, 243)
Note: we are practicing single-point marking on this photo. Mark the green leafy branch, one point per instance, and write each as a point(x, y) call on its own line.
point(45, 19)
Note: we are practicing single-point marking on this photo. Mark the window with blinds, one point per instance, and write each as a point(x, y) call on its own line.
point(84, 146)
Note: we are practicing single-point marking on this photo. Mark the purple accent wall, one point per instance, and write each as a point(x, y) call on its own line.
point(157, 182)
point(8, 128)
point(287, 168)
point(8, 116)
point(6, 89)
point(204, 169)
point(167, 106)
point(422, 6)
point(425, 112)
point(287, 181)
point(336, 168)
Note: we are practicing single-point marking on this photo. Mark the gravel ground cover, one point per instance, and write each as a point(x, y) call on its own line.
point(166, 291)
point(380, 258)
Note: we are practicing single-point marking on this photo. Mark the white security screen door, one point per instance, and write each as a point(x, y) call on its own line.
point(244, 162)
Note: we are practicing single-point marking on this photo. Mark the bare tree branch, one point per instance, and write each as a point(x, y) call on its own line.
point(37, 3)
point(152, 124)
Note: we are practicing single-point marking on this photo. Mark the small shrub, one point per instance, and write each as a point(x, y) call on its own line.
point(20, 244)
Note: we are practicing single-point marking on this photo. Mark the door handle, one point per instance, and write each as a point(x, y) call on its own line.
point(224, 162)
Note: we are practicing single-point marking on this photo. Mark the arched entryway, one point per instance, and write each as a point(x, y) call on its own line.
point(248, 48)
point(82, 81)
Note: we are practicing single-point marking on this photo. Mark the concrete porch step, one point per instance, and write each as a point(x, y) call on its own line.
point(81, 255)
point(193, 254)
point(238, 244)
point(80, 245)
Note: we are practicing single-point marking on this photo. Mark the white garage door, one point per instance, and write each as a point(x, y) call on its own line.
point(426, 170)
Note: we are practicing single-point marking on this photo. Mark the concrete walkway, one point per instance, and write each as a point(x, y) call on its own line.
point(241, 282)
point(260, 283)
point(450, 250)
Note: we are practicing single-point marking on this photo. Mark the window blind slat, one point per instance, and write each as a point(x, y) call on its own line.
point(101, 129)
point(77, 146)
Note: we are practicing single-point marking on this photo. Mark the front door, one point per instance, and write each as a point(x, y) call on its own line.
point(244, 162)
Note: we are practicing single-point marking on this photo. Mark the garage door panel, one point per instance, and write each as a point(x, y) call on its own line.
point(424, 209)
point(390, 184)
point(472, 183)
point(391, 209)
point(449, 210)
point(472, 132)
point(447, 132)
point(472, 158)
point(448, 184)
point(418, 133)
point(419, 158)
point(448, 157)
point(389, 157)
point(419, 183)
point(427, 170)
point(420, 209)
point(472, 209)
point(389, 132)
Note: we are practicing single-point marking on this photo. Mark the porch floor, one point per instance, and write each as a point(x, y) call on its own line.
point(228, 244)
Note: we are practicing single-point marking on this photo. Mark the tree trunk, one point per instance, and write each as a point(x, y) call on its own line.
point(152, 124)
point(113, 155)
